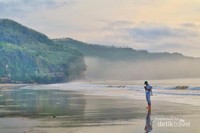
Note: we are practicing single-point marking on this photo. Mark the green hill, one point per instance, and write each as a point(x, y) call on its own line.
point(116, 53)
point(28, 56)
point(13, 32)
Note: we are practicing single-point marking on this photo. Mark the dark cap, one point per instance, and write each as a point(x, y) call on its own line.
point(145, 82)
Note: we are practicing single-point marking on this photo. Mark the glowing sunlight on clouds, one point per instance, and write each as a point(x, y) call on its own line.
point(156, 25)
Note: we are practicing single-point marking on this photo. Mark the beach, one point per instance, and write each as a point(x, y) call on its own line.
point(92, 108)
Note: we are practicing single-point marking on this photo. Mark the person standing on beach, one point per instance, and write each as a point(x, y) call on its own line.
point(149, 93)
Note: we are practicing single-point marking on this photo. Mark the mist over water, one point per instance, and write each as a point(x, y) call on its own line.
point(101, 69)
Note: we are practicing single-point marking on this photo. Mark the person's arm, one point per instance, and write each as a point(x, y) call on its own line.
point(151, 91)
point(145, 88)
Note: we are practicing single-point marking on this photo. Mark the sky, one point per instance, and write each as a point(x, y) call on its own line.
point(153, 25)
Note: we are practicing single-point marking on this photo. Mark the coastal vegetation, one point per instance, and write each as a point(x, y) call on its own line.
point(27, 56)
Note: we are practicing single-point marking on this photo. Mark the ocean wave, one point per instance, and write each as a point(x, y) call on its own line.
point(178, 88)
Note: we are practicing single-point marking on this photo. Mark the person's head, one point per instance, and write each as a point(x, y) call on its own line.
point(146, 82)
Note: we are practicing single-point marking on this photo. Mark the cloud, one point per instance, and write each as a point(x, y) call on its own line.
point(189, 25)
point(154, 37)
point(156, 31)
point(145, 32)
point(22, 7)
point(119, 25)
point(160, 37)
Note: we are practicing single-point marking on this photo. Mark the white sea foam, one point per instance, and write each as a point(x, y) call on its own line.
point(187, 93)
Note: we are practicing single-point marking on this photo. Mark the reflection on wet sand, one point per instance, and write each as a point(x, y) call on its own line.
point(69, 108)
point(36, 103)
point(149, 123)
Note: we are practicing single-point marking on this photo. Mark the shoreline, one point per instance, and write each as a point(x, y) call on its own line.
point(85, 112)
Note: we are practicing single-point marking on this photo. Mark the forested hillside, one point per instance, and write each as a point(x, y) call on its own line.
point(27, 56)
point(115, 53)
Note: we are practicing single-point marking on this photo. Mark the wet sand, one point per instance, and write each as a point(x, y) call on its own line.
point(77, 112)
point(118, 115)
